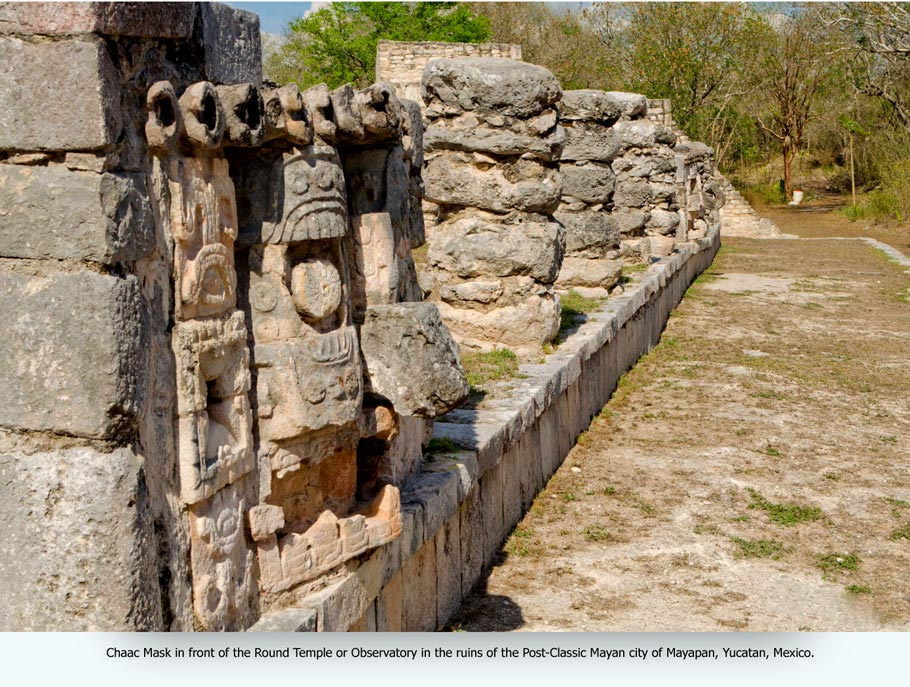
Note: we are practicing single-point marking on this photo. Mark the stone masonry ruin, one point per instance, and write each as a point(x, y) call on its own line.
point(222, 367)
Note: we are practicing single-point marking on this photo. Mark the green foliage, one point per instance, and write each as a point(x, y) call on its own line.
point(490, 366)
point(758, 548)
point(337, 44)
point(442, 445)
point(786, 514)
point(574, 305)
point(837, 561)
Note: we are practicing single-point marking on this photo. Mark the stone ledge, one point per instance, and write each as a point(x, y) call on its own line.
point(510, 450)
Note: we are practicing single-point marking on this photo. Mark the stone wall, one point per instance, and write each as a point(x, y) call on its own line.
point(211, 305)
point(219, 373)
point(401, 64)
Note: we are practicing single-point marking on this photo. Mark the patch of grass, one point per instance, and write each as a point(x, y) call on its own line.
point(889, 439)
point(568, 496)
point(773, 395)
point(633, 267)
point(573, 305)
point(758, 548)
point(597, 533)
point(898, 503)
point(786, 514)
point(833, 476)
point(832, 562)
point(901, 533)
point(442, 445)
point(609, 491)
point(705, 529)
point(858, 589)
point(520, 544)
point(489, 366)
point(770, 450)
point(740, 518)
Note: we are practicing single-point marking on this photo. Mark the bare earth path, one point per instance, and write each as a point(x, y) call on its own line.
point(751, 473)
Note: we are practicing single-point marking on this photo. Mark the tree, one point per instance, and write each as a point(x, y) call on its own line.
point(337, 44)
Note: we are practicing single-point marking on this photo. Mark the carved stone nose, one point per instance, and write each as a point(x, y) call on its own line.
point(203, 116)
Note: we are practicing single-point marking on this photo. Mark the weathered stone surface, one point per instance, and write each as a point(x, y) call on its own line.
point(590, 105)
point(75, 542)
point(497, 141)
point(639, 133)
point(524, 327)
point(632, 193)
point(507, 87)
point(287, 620)
point(142, 19)
point(73, 353)
point(589, 234)
point(233, 49)
point(478, 247)
point(629, 221)
point(58, 95)
point(52, 212)
point(244, 109)
point(591, 182)
point(411, 359)
point(663, 221)
point(589, 273)
point(590, 143)
point(523, 185)
point(630, 104)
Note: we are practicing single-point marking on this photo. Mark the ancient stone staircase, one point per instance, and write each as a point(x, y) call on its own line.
point(739, 218)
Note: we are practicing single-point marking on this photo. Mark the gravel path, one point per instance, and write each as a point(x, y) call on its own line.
point(751, 473)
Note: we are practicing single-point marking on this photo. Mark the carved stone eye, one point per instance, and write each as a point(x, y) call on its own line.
point(316, 287)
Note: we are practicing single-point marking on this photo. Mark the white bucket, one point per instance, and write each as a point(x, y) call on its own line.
point(797, 197)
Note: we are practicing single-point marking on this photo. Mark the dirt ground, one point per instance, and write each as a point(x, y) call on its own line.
point(752, 472)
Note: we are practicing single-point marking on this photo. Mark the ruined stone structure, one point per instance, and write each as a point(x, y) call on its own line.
point(234, 426)
point(492, 146)
point(401, 64)
point(219, 372)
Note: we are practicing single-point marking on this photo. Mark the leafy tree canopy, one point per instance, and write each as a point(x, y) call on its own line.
point(337, 44)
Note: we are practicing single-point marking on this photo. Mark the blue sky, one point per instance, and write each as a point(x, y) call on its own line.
point(274, 16)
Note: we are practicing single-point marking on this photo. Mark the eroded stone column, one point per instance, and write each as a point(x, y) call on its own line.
point(492, 147)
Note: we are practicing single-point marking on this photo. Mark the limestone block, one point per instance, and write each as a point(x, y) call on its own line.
point(142, 19)
point(58, 95)
point(47, 382)
point(526, 185)
point(589, 234)
point(508, 87)
point(413, 134)
point(590, 142)
point(591, 182)
point(52, 212)
point(632, 193)
point(663, 221)
point(643, 133)
point(477, 247)
point(601, 273)
point(367, 116)
point(76, 547)
point(483, 292)
point(590, 105)
point(389, 606)
point(473, 540)
point(448, 570)
point(420, 590)
point(629, 221)
point(233, 49)
point(523, 327)
point(287, 620)
point(411, 359)
point(440, 136)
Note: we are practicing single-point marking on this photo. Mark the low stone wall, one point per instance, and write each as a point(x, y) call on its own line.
point(459, 509)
